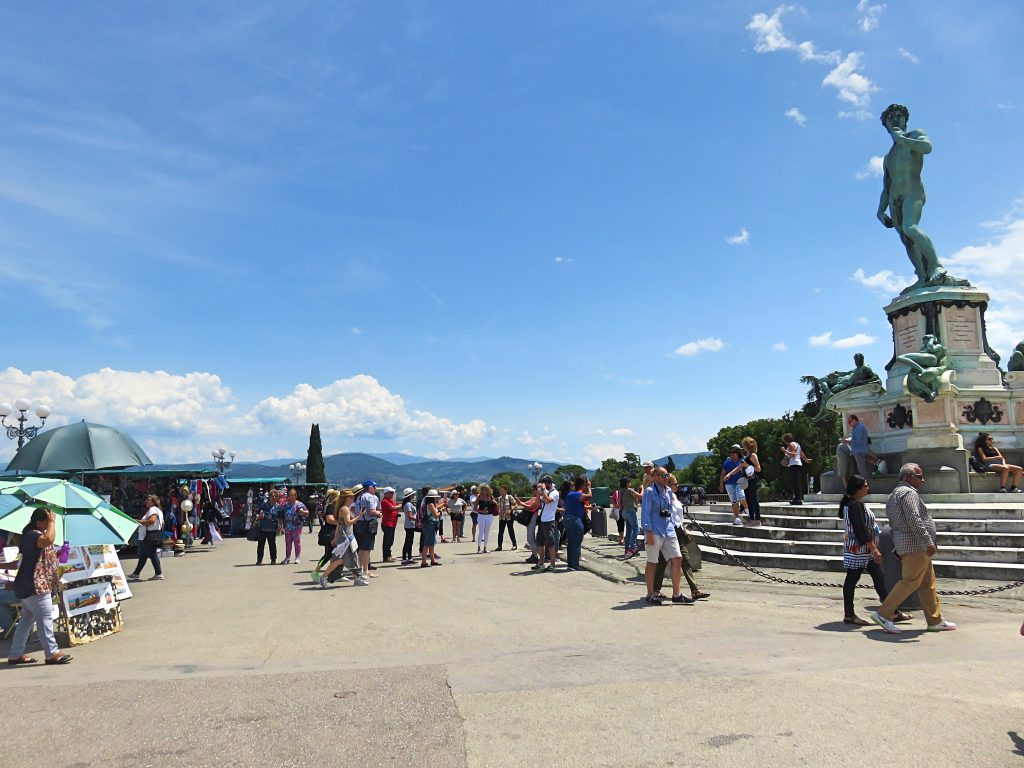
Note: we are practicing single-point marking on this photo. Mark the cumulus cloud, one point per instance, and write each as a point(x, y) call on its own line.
point(852, 85)
point(740, 238)
point(909, 56)
point(592, 454)
point(563, 260)
point(826, 340)
point(869, 15)
point(886, 281)
point(996, 267)
point(846, 77)
point(872, 169)
point(360, 406)
point(622, 432)
point(779, 346)
point(143, 402)
point(796, 116)
point(855, 114)
point(691, 348)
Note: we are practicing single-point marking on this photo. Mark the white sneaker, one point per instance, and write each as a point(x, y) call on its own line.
point(161, 578)
point(297, 561)
point(942, 626)
point(737, 521)
point(286, 561)
point(362, 582)
point(884, 623)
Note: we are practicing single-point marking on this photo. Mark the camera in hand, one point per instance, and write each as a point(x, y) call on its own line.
point(665, 513)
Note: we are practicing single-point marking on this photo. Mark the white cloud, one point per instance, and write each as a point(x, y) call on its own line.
point(826, 340)
point(857, 340)
point(846, 78)
point(701, 345)
point(869, 15)
point(593, 454)
point(356, 331)
point(909, 56)
point(676, 443)
point(768, 33)
point(863, 320)
point(997, 266)
point(562, 260)
point(140, 402)
point(796, 116)
point(855, 114)
point(740, 238)
point(872, 169)
point(536, 441)
point(885, 281)
point(779, 346)
point(361, 407)
point(622, 432)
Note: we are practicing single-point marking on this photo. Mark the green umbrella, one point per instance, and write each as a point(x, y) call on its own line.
point(78, 447)
point(83, 517)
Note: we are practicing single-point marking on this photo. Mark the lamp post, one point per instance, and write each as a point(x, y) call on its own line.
point(297, 470)
point(534, 468)
point(223, 459)
point(21, 433)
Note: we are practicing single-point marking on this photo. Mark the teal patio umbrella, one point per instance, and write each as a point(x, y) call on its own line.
point(82, 517)
point(78, 447)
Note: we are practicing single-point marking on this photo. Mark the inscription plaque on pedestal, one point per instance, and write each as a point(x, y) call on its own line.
point(907, 332)
point(962, 329)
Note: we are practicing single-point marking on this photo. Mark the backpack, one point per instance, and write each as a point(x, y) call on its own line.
point(977, 465)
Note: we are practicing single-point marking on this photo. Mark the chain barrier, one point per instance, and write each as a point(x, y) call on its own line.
point(798, 582)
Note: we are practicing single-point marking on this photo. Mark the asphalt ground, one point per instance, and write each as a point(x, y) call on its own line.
point(483, 662)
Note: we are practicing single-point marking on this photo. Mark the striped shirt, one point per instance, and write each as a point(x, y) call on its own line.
point(366, 505)
point(913, 529)
point(856, 556)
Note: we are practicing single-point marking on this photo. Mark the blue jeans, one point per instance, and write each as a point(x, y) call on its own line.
point(36, 610)
point(574, 535)
point(632, 528)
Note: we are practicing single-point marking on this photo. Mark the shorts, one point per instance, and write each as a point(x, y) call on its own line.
point(364, 538)
point(736, 494)
point(547, 534)
point(663, 545)
point(991, 464)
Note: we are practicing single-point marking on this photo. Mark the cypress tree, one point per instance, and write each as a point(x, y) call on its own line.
point(315, 472)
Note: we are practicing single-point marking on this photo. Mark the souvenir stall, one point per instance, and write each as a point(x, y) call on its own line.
point(246, 495)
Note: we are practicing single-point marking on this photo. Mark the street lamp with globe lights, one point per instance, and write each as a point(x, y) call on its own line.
point(21, 433)
point(223, 459)
point(534, 468)
point(297, 470)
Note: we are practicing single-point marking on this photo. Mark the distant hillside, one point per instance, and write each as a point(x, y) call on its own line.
point(680, 459)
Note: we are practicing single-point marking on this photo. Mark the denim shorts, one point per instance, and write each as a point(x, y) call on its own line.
point(736, 494)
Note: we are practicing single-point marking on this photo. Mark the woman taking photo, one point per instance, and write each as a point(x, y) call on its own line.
point(986, 451)
point(628, 499)
point(752, 471)
point(343, 545)
point(269, 521)
point(328, 527)
point(431, 520)
point(151, 541)
point(793, 458)
point(860, 549)
point(34, 585)
point(486, 509)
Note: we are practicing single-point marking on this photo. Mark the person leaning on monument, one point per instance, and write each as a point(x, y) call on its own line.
point(914, 537)
point(986, 451)
point(860, 446)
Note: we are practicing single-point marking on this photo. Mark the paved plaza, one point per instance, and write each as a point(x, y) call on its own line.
point(482, 662)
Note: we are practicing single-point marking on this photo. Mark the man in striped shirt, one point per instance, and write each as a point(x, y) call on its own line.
point(914, 536)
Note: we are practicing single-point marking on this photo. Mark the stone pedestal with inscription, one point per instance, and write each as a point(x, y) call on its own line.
point(972, 395)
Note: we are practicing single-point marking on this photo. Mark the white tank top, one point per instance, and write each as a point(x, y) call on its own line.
point(796, 461)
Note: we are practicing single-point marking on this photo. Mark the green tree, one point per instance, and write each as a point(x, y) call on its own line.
point(568, 472)
point(518, 483)
point(613, 470)
point(315, 472)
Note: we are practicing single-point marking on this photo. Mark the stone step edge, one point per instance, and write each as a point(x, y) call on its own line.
point(710, 549)
point(726, 539)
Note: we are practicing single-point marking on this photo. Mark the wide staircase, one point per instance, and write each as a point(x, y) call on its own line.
point(981, 535)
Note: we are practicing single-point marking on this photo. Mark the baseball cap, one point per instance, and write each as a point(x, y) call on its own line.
point(369, 483)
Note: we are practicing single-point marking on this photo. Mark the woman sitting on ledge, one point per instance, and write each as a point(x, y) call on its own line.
point(990, 456)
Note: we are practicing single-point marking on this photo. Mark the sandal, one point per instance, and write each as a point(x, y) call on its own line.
point(856, 620)
point(62, 659)
point(698, 595)
point(901, 616)
point(21, 660)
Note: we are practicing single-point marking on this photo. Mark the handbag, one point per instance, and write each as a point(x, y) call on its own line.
point(743, 483)
point(44, 577)
point(326, 535)
point(253, 534)
point(785, 461)
point(373, 527)
point(614, 514)
point(523, 516)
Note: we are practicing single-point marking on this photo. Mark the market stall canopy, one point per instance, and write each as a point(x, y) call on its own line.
point(257, 480)
point(78, 447)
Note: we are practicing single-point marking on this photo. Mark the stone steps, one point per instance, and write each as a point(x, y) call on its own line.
point(946, 538)
point(943, 568)
point(835, 549)
point(980, 536)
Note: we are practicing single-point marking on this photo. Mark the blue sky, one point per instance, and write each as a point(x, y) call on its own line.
point(561, 230)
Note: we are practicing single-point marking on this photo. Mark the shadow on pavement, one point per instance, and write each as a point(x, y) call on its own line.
point(839, 626)
point(906, 636)
point(633, 605)
point(1018, 742)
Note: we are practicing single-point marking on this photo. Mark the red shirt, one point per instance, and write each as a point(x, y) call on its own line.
point(390, 510)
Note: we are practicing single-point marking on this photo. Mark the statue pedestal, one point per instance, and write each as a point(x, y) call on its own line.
point(972, 396)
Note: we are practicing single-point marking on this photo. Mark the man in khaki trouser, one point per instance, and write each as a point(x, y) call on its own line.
point(913, 533)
